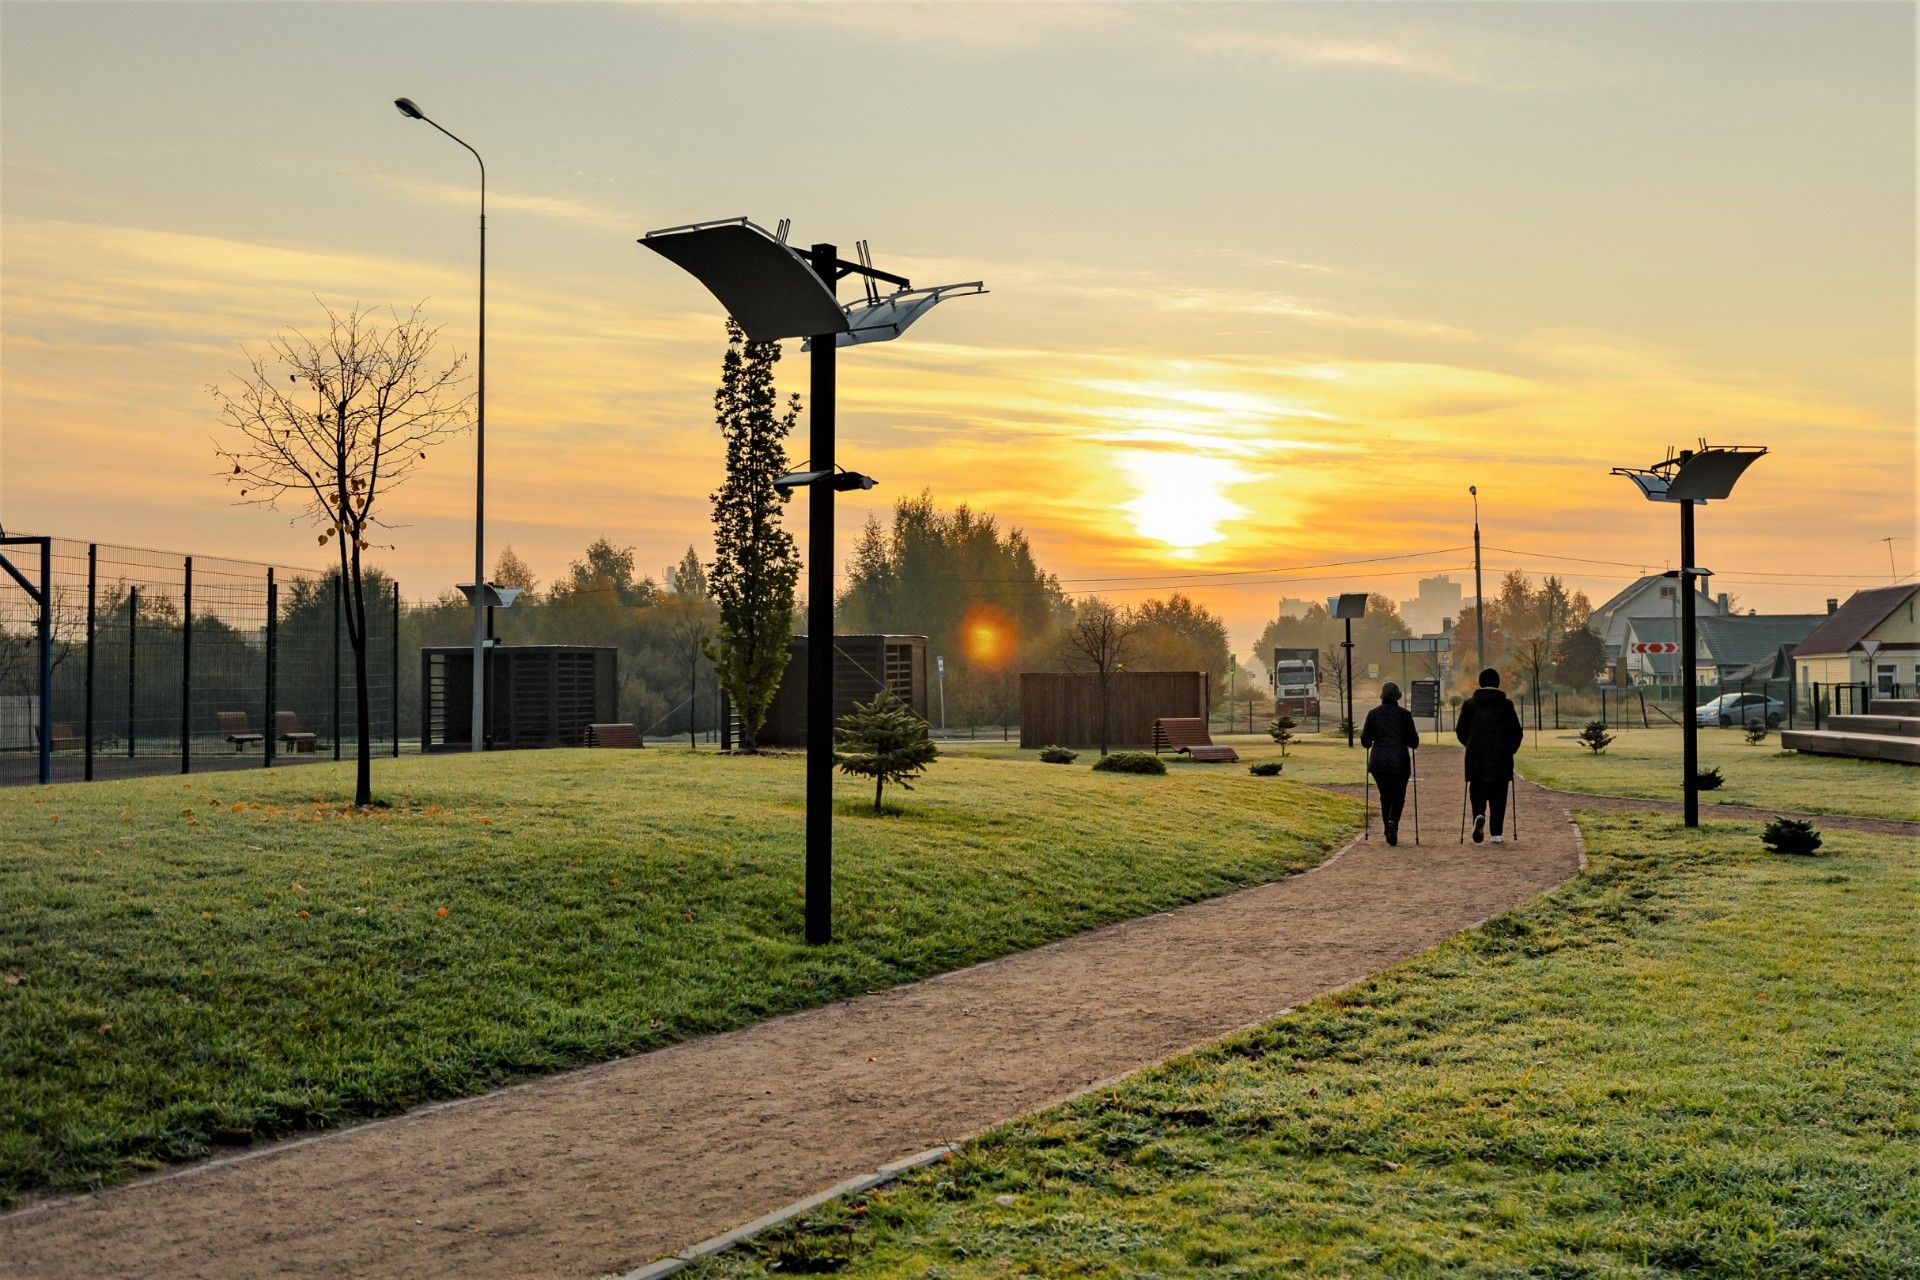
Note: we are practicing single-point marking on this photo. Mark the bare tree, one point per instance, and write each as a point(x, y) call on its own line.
point(332, 423)
point(690, 631)
point(1099, 636)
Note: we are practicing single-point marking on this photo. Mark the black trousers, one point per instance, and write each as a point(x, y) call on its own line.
point(1393, 796)
point(1490, 798)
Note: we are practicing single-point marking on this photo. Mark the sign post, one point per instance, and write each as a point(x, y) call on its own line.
point(940, 665)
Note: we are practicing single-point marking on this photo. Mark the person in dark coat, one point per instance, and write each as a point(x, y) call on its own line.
point(1391, 738)
point(1491, 731)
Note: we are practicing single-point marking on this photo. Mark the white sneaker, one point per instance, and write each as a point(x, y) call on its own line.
point(1499, 839)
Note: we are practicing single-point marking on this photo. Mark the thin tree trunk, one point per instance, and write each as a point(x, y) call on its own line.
point(879, 783)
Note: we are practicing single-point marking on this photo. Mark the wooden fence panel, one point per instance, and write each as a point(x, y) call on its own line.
point(1062, 708)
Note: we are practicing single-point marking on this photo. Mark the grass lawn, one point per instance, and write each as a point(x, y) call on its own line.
point(1312, 757)
point(1697, 1059)
point(1646, 762)
point(192, 963)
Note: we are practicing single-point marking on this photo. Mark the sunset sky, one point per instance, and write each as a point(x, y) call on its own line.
point(1271, 285)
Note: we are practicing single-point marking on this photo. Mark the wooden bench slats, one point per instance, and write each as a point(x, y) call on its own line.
point(1188, 735)
point(613, 735)
point(286, 728)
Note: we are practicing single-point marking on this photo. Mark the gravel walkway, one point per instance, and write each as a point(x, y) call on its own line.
point(600, 1170)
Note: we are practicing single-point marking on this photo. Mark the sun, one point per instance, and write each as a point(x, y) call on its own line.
point(1181, 499)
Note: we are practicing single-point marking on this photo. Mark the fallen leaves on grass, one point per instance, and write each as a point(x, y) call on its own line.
point(440, 911)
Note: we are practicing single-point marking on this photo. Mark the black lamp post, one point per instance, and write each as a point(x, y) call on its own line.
point(775, 291)
point(1690, 477)
point(407, 108)
point(1347, 608)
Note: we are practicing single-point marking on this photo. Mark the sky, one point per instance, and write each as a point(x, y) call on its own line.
point(1270, 285)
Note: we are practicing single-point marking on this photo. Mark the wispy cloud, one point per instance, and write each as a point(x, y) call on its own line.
point(586, 213)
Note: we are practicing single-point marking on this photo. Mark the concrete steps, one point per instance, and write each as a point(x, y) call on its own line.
point(1877, 723)
point(1889, 731)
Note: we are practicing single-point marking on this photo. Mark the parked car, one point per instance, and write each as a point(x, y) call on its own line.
point(1741, 708)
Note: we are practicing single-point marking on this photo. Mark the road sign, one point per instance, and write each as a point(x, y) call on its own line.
point(940, 667)
point(1373, 671)
point(1420, 644)
point(1655, 646)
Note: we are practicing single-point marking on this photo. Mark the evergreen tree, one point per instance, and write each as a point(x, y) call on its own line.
point(755, 562)
point(688, 580)
point(885, 741)
point(1281, 730)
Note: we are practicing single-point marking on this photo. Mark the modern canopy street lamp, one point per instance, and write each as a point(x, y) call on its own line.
point(775, 291)
point(1690, 477)
point(407, 108)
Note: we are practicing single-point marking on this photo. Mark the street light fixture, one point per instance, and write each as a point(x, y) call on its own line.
point(1689, 478)
point(1479, 601)
point(407, 108)
point(1347, 607)
point(775, 291)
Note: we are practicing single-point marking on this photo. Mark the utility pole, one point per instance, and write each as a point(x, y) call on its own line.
point(1479, 600)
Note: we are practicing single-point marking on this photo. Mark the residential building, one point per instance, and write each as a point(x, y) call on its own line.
point(1291, 608)
point(1653, 596)
point(1434, 607)
point(1725, 647)
point(1873, 637)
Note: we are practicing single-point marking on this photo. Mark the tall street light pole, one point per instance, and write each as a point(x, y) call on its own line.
point(774, 291)
point(412, 112)
point(825, 260)
point(1479, 600)
point(1690, 477)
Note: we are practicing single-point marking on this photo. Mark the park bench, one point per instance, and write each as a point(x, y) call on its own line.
point(613, 735)
point(234, 728)
point(65, 739)
point(1188, 734)
point(286, 728)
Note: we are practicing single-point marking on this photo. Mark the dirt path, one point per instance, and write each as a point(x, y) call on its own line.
point(601, 1170)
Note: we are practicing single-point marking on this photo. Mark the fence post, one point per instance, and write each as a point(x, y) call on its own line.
point(133, 626)
point(186, 672)
point(396, 671)
point(93, 576)
point(1556, 711)
point(336, 667)
point(270, 721)
point(46, 660)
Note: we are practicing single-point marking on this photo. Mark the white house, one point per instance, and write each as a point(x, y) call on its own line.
point(1653, 596)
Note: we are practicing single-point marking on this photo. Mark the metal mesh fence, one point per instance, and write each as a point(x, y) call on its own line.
point(164, 662)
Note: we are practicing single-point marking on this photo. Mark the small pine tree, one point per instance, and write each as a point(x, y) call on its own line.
point(1281, 731)
point(885, 741)
point(1756, 732)
point(1595, 736)
point(1790, 835)
point(1708, 779)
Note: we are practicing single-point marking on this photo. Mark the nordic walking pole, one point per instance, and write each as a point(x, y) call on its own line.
point(1414, 757)
point(1366, 805)
point(1513, 808)
point(1465, 786)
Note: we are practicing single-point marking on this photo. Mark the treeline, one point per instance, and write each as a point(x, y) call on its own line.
point(1536, 637)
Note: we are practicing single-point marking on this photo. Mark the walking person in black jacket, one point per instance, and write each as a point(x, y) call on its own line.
point(1491, 731)
point(1390, 737)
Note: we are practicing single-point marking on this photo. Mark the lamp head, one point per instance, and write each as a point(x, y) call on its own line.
point(408, 110)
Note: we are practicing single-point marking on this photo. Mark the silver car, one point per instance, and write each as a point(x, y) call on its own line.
point(1741, 708)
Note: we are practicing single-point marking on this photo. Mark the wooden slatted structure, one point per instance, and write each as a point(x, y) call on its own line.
point(1188, 735)
point(537, 695)
point(1062, 708)
point(614, 735)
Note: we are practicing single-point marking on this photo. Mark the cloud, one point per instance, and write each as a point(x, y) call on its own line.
point(586, 213)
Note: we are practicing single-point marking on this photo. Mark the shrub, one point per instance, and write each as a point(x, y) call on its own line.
point(1790, 835)
point(1596, 737)
point(1708, 779)
point(885, 741)
point(1058, 755)
point(1131, 762)
point(1345, 727)
point(1281, 731)
point(1265, 769)
point(1756, 732)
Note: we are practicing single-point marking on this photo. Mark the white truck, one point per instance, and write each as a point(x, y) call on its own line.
point(1296, 682)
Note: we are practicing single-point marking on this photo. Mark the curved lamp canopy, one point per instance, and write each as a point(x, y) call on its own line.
point(765, 285)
